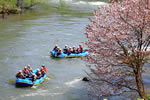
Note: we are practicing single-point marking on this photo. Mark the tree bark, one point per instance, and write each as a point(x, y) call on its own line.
point(31, 3)
point(18, 3)
point(139, 84)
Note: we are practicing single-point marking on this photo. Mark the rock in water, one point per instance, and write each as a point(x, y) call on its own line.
point(85, 79)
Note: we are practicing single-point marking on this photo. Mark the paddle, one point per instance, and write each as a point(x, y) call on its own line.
point(34, 87)
point(48, 76)
point(11, 81)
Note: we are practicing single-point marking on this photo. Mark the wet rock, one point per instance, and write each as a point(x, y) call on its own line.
point(86, 79)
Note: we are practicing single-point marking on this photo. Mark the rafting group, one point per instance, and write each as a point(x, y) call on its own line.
point(29, 77)
point(27, 72)
point(68, 50)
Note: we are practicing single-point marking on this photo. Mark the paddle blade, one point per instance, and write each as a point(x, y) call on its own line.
point(48, 76)
point(11, 81)
point(34, 87)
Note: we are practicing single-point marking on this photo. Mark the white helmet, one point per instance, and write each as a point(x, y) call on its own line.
point(25, 67)
point(33, 74)
point(38, 69)
point(28, 65)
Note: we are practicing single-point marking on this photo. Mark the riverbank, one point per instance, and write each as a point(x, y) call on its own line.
point(16, 6)
point(8, 7)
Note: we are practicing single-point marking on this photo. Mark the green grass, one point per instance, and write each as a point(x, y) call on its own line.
point(10, 5)
point(147, 97)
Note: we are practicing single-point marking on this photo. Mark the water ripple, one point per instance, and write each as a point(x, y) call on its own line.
point(72, 82)
point(38, 93)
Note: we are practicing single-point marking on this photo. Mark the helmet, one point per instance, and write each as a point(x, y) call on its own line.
point(25, 67)
point(41, 68)
point(43, 64)
point(20, 71)
point(28, 65)
point(38, 69)
point(33, 74)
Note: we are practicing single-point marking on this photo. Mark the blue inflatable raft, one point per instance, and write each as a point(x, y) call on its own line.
point(72, 55)
point(28, 81)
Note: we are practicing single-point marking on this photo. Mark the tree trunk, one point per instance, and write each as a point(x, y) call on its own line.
point(19, 3)
point(140, 85)
point(31, 3)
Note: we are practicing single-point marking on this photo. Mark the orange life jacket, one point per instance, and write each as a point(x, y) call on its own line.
point(19, 75)
point(80, 47)
point(42, 71)
point(25, 71)
point(45, 69)
point(38, 73)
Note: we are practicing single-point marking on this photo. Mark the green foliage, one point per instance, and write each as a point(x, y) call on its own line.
point(62, 7)
point(147, 97)
point(139, 99)
point(8, 4)
point(29, 2)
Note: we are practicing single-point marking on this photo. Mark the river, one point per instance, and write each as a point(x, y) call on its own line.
point(28, 38)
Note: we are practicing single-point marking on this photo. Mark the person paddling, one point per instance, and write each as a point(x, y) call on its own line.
point(29, 68)
point(19, 74)
point(74, 49)
point(34, 77)
point(25, 71)
point(59, 52)
point(65, 50)
point(42, 72)
point(56, 48)
point(43, 67)
point(81, 48)
point(38, 74)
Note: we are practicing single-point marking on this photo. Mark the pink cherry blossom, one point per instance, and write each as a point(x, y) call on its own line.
point(118, 42)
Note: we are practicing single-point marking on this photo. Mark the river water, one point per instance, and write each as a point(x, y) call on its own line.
point(28, 38)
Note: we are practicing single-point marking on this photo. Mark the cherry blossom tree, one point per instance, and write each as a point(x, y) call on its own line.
point(118, 42)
